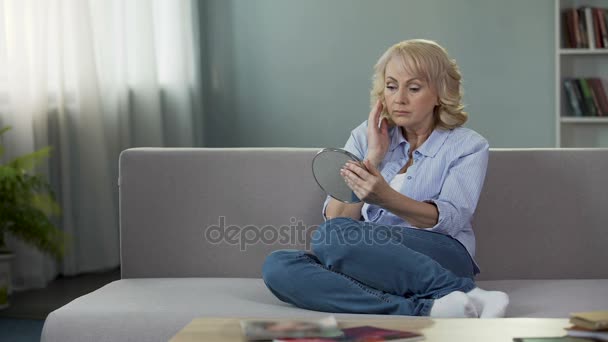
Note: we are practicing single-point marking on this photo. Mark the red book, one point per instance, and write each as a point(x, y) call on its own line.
point(600, 93)
point(601, 17)
point(596, 28)
point(567, 29)
point(594, 98)
point(578, 39)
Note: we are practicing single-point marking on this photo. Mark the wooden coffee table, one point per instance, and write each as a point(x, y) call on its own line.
point(447, 329)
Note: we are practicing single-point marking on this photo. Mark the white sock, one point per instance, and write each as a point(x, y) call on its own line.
point(455, 304)
point(489, 304)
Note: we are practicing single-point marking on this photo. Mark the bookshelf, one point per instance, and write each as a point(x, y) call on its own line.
point(578, 63)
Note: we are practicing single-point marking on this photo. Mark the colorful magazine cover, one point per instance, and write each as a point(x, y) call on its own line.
point(272, 329)
point(364, 334)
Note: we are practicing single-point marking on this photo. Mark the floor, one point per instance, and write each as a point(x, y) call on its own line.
point(23, 320)
point(20, 330)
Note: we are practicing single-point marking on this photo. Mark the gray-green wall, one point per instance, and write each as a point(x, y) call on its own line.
point(296, 73)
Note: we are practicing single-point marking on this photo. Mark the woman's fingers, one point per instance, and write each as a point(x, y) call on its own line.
point(350, 178)
point(354, 175)
point(383, 125)
point(357, 169)
point(378, 114)
point(354, 182)
point(374, 114)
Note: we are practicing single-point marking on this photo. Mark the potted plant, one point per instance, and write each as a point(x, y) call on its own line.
point(26, 205)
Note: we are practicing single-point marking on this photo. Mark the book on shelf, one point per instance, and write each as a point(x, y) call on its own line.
point(573, 98)
point(585, 97)
point(585, 27)
point(599, 16)
point(598, 90)
point(588, 97)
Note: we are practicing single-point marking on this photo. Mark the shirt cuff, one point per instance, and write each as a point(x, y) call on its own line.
point(324, 211)
point(443, 220)
point(376, 212)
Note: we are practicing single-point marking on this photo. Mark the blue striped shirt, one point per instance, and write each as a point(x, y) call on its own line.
point(449, 170)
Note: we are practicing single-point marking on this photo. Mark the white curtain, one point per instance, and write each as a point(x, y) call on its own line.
point(91, 78)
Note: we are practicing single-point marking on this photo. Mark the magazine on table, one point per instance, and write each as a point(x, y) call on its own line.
point(363, 334)
point(255, 330)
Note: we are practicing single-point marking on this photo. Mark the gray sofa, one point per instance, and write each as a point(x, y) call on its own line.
point(541, 228)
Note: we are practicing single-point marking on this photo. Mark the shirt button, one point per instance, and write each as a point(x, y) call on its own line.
point(409, 177)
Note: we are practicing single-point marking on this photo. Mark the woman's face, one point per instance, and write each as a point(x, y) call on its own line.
point(409, 100)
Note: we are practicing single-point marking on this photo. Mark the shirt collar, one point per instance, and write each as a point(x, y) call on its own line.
point(429, 148)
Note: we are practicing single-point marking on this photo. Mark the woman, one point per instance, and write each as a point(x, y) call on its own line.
point(408, 247)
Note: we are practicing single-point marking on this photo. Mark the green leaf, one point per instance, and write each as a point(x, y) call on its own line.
point(2, 131)
point(7, 173)
point(33, 227)
point(5, 129)
point(29, 161)
point(27, 202)
point(46, 204)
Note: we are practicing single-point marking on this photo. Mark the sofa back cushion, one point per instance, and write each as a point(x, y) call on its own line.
point(217, 212)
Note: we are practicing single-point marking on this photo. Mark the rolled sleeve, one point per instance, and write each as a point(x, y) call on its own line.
point(461, 189)
point(375, 212)
point(324, 211)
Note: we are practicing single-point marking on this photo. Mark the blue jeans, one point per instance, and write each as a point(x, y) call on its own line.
point(363, 267)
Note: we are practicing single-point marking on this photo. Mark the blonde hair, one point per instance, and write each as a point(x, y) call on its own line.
point(428, 60)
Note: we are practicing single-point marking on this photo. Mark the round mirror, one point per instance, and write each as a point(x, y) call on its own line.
point(326, 167)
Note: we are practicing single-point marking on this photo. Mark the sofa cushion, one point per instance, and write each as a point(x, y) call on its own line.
point(551, 298)
point(155, 309)
point(547, 205)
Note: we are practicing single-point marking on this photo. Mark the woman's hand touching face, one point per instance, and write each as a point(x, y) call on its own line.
point(377, 135)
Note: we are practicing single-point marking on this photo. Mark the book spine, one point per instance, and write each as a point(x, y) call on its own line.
point(587, 97)
point(589, 28)
point(601, 13)
point(582, 27)
point(595, 97)
point(605, 15)
point(596, 28)
point(579, 97)
point(572, 100)
point(566, 29)
point(597, 31)
point(601, 94)
point(576, 29)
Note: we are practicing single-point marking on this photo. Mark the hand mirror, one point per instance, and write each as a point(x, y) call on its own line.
point(326, 167)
